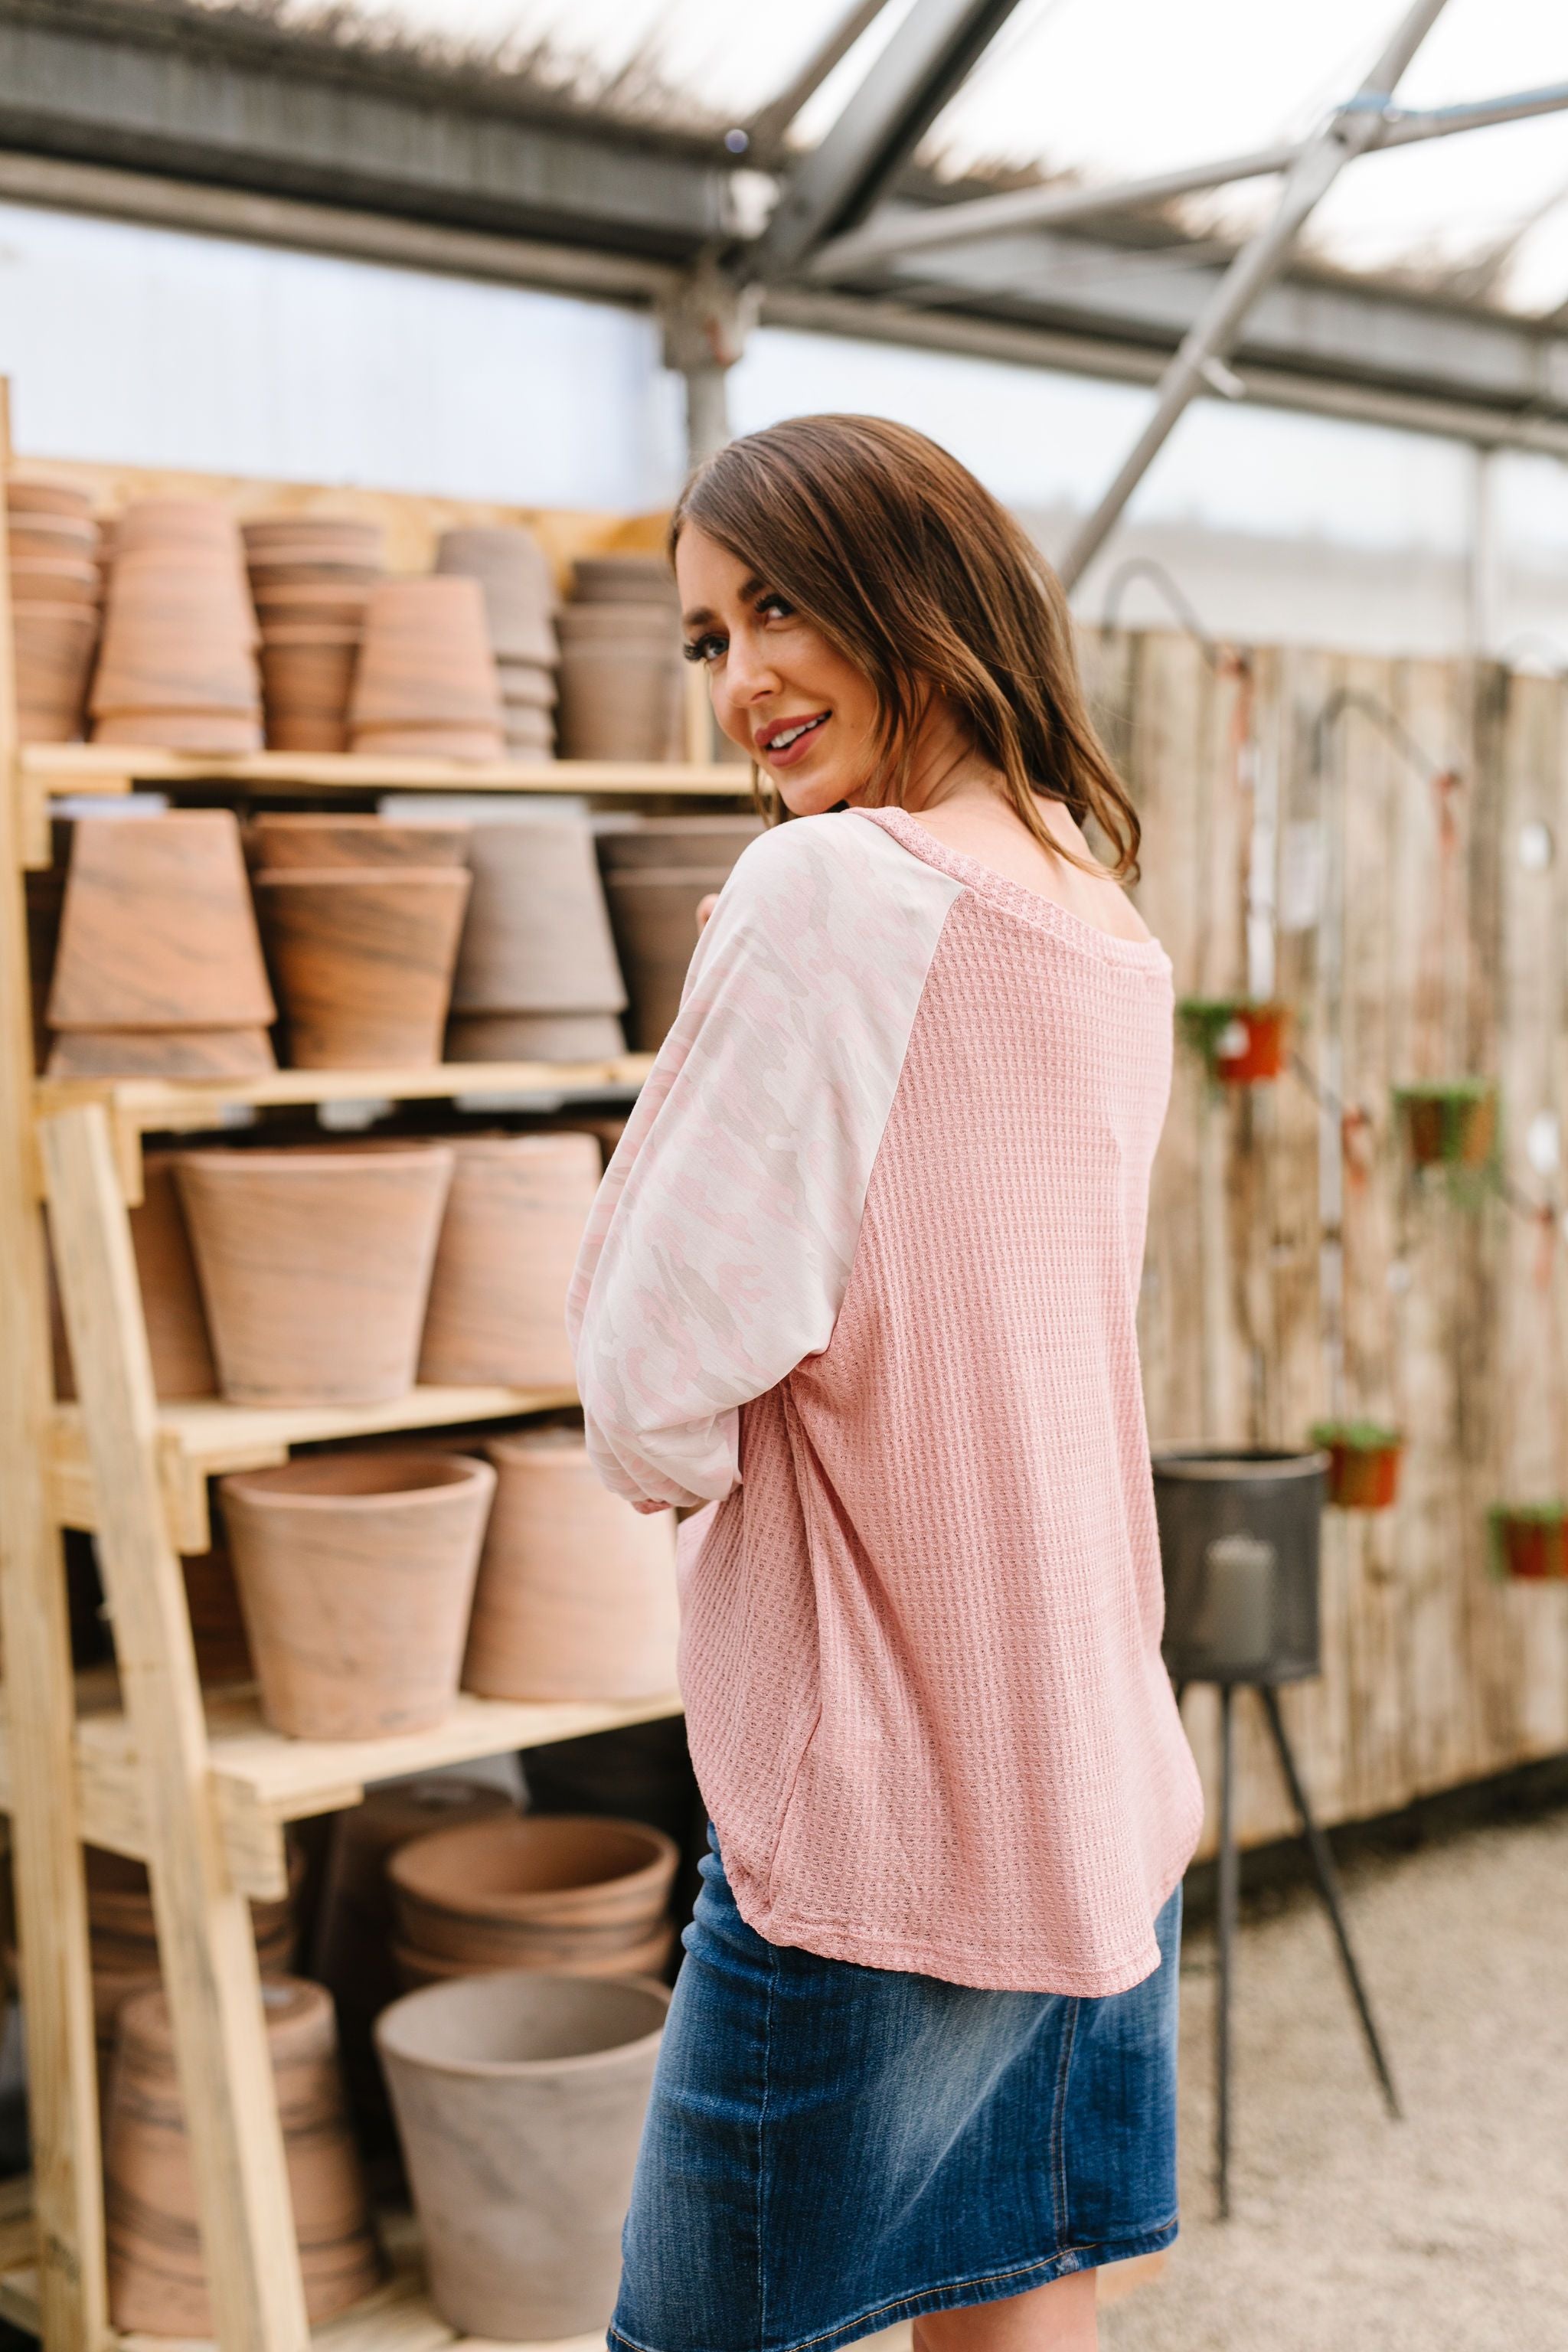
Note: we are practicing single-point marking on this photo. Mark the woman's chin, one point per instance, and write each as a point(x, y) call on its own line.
point(810, 795)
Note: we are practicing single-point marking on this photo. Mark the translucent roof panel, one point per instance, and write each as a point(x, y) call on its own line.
point(1212, 77)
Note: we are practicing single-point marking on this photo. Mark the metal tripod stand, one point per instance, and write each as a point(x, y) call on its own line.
point(1228, 1891)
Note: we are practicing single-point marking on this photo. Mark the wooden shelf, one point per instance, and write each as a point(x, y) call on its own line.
point(141, 1107)
point(262, 1779)
point(49, 768)
point(200, 1439)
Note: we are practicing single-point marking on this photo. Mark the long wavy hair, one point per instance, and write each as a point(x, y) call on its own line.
point(919, 577)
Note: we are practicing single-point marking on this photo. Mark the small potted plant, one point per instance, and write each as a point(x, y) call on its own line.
point(1451, 1122)
point(1528, 1542)
point(1240, 1040)
point(1363, 1462)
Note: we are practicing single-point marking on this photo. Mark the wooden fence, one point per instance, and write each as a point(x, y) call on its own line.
point(1361, 838)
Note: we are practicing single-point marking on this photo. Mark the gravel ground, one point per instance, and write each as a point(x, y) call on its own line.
point(1350, 2233)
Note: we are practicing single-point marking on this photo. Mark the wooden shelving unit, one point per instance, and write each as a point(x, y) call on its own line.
point(140, 1758)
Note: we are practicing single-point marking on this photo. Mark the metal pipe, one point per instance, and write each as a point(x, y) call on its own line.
point(1347, 134)
point(1021, 208)
point(944, 225)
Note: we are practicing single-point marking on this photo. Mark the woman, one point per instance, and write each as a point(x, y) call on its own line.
point(861, 1281)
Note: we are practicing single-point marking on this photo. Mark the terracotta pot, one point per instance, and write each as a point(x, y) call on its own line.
point(615, 628)
point(509, 1238)
point(315, 1267)
point(322, 842)
point(426, 659)
point(622, 579)
point(305, 683)
point(53, 580)
point(161, 1054)
point(363, 958)
point(537, 938)
point(313, 538)
point(1529, 1545)
point(653, 911)
point(475, 744)
point(549, 1884)
point(670, 843)
point(53, 536)
point(352, 1952)
point(535, 1037)
point(519, 2101)
point(312, 604)
point(647, 1958)
point(185, 525)
point(528, 684)
point(623, 700)
point(27, 496)
point(170, 1297)
point(576, 1596)
point(356, 1574)
point(167, 730)
point(179, 635)
point(157, 2282)
point(516, 582)
point(217, 1622)
point(54, 657)
point(158, 933)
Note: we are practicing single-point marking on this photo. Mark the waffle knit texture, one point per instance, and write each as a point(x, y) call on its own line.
point(862, 1276)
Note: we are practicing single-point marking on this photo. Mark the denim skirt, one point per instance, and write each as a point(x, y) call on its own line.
point(829, 2148)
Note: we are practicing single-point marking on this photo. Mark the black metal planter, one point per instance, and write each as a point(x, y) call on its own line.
point(1240, 1533)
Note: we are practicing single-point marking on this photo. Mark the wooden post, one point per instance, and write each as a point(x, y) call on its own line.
point(51, 1899)
point(206, 1942)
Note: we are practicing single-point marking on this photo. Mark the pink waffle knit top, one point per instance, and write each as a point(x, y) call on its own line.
point(862, 1278)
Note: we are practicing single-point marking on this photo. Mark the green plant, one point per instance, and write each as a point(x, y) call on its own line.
point(1364, 1436)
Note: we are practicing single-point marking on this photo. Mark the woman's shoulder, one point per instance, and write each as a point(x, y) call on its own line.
point(801, 869)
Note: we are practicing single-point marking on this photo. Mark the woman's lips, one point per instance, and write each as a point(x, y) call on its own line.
point(786, 755)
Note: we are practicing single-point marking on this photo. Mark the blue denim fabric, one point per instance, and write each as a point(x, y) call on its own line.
point(829, 2148)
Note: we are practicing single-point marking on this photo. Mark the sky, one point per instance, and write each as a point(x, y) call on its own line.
point(1213, 78)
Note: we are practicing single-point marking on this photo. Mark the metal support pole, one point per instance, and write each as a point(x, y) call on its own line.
point(767, 126)
point(1353, 128)
point(1329, 1886)
point(1229, 1888)
point(706, 323)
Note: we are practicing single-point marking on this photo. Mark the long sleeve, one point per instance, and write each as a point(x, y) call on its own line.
point(720, 1245)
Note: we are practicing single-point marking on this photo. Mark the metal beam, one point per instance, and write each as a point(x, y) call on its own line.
point(944, 225)
point(900, 98)
point(1260, 261)
point(215, 100)
point(767, 126)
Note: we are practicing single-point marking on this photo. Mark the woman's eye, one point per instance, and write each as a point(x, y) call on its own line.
point(703, 649)
point(776, 605)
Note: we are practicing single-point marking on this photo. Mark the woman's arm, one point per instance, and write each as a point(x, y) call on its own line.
point(719, 1246)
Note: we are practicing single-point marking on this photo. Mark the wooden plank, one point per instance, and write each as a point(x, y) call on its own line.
point(111, 767)
point(207, 1945)
point(45, 1859)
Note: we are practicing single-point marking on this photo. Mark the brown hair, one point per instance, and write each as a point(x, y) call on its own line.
point(917, 576)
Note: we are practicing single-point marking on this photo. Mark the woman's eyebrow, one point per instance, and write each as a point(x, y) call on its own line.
point(700, 619)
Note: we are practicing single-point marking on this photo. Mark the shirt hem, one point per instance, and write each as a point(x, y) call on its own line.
point(986, 1971)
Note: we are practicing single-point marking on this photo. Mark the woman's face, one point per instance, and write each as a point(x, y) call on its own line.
point(780, 690)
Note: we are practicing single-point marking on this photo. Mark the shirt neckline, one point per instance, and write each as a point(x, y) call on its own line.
point(1028, 906)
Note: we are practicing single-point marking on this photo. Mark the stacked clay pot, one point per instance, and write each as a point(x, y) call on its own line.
point(576, 1892)
point(356, 1577)
point(55, 595)
point(355, 1927)
point(157, 2279)
point(315, 1267)
point(623, 685)
point(177, 1339)
point(311, 576)
point(159, 971)
point(537, 978)
point(123, 1938)
point(217, 1622)
point(509, 1238)
point(425, 683)
point(518, 589)
point(361, 920)
point(657, 875)
point(576, 1593)
point(177, 662)
point(519, 2104)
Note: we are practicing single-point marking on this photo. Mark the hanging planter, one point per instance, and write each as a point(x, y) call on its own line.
point(1528, 1542)
point(1241, 1042)
point(1363, 1462)
point(1450, 1122)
